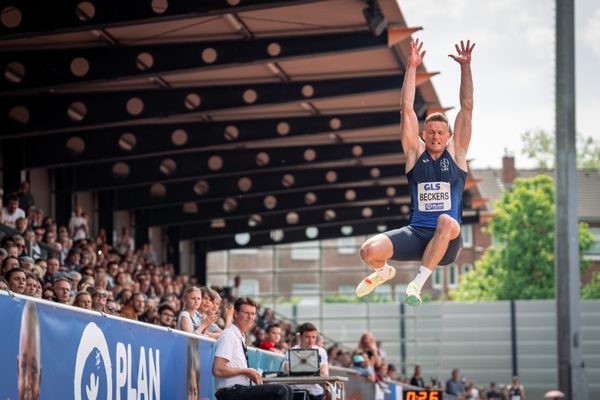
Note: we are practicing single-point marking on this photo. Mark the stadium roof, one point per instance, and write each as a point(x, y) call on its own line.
point(256, 120)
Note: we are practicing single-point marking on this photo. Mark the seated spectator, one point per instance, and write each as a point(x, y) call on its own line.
point(83, 300)
point(49, 294)
point(189, 319)
point(3, 284)
point(26, 263)
point(112, 307)
point(16, 279)
point(72, 261)
point(21, 225)
point(9, 263)
point(62, 288)
point(138, 304)
point(233, 375)
point(99, 298)
point(308, 340)
point(273, 338)
point(166, 316)
point(342, 359)
point(360, 363)
point(417, 379)
point(33, 286)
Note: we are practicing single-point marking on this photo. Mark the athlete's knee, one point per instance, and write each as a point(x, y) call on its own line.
point(376, 249)
point(448, 226)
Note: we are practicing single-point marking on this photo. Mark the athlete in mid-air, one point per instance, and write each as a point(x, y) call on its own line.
point(436, 168)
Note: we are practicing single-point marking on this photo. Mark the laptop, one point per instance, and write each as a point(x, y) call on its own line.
point(304, 362)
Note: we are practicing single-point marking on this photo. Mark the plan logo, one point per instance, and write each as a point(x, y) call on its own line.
point(93, 367)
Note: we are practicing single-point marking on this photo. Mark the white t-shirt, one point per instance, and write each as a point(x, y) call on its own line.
point(79, 226)
point(9, 219)
point(314, 389)
point(229, 346)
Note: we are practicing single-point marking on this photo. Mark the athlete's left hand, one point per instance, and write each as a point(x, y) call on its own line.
point(464, 52)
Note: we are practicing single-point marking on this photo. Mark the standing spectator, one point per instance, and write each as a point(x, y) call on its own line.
point(62, 288)
point(12, 212)
point(17, 280)
point(125, 244)
point(417, 379)
point(455, 390)
point(368, 346)
point(472, 392)
point(308, 340)
point(516, 390)
point(25, 197)
point(78, 225)
point(273, 338)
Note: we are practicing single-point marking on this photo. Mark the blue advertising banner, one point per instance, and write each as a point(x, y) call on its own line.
point(50, 351)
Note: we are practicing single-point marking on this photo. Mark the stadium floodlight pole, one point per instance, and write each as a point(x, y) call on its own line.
point(571, 373)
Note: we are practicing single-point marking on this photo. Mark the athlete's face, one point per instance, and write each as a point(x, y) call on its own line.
point(436, 136)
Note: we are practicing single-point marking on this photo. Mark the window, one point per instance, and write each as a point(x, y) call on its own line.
point(594, 252)
point(466, 268)
point(306, 250)
point(467, 234)
point(307, 292)
point(248, 287)
point(437, 279)
point(349, 290)
point(346, 245)
point(453, 276)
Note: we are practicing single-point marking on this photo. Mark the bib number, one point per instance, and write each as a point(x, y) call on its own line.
point(434, 196)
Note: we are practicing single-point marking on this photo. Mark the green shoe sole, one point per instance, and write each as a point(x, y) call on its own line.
point(412, 301)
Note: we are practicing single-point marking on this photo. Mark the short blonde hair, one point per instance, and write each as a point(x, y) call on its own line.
point(437, 117)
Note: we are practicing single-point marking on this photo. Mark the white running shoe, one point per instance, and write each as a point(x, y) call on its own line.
point(413, 295)
point(367, 285)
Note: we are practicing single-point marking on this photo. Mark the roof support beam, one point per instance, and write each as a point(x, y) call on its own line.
point(242, 207)
point(301, 234)
point(37, 18)
point(50, 113)
point(147, 140)
point(69, 67)
point(258, 184)
point(220, 163)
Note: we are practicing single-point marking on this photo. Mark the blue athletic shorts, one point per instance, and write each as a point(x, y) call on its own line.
point(410, 243)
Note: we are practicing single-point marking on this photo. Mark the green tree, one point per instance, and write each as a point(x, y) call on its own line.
point(520, 263)
point(539, 145)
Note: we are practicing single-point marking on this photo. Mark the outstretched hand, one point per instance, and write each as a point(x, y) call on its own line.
point(416, 55)
point(464, 53)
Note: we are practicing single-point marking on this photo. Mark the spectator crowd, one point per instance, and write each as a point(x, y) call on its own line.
point(65, 264)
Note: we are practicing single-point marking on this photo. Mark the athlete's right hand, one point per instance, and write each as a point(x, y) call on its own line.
point(416, 56)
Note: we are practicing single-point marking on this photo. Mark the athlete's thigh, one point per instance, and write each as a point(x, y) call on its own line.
point(408, 246)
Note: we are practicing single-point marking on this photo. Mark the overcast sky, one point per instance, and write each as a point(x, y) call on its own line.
point(513, 67)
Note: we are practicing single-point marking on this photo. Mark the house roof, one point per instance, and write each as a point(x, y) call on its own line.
point(588, 188)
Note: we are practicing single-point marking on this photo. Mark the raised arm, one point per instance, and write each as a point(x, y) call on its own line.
point(409, 126)
point(462, 126)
